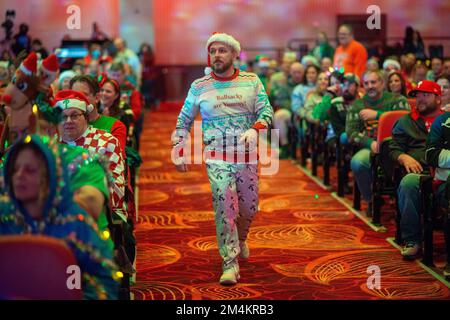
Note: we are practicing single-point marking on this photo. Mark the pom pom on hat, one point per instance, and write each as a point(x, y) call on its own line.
point(65, 99)
point(208, 71)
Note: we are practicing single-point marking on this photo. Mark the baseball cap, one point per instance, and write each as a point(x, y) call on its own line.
point(426, 86)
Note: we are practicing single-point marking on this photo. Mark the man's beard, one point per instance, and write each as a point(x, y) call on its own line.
point(225, 66)
point(348, 96)
point(427, 110)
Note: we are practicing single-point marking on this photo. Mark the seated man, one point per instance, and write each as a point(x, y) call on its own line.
point(361, 124)
point(75, 131)
point(438, 156)
point(407, 147)
point(281, 93)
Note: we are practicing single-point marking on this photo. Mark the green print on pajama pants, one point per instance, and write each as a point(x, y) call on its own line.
point(235, 201)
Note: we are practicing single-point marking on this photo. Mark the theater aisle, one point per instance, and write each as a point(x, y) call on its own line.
point(304, 244)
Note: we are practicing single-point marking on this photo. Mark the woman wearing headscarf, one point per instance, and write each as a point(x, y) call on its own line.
point(39, 201)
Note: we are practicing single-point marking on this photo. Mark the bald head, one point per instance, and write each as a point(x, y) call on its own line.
point(119, 44)
point(297, 71)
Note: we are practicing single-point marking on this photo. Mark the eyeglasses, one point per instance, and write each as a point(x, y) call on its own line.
point(74, 117)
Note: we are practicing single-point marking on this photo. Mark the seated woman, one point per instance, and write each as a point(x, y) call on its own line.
point(39, 201)
point(315, 97)
point(113, 106)
point(396, 83)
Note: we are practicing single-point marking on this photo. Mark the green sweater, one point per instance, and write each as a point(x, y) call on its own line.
point(363, 133)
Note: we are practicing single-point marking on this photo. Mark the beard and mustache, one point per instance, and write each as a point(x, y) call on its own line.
point(348, 96)
point(221, 68)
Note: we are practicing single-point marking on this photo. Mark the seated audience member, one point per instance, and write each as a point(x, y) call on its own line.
point(40, 201)
point(112, 106)
point(76, 131)
point(407, 147)
point(396, 84)
point(372, 65)
point(391, 65)
point(446, 67)
point(436, 69)
point(361, 124)
point(444, 82)
point(131, 96)
point(341, 104)
point(298, 97)
point(89, 87)
point(419, 73)
point(323, 49)
point(437, 156)
point(325, 64)
point(315, 97)
point(281, 94)
point(64, 79)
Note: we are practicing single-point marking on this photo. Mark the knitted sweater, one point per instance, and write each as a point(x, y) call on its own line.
point(228, 107)
point(363, 133)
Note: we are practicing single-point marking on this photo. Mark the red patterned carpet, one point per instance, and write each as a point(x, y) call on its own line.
point(304, 244)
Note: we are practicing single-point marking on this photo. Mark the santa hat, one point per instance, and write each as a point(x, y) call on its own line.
point(224, 38)
point(391, 63)
point(65, 99)
point(49, 69)
point(29, 65)
point(50, 64)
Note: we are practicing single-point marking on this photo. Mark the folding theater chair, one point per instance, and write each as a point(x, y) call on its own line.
point(305, 136)
point(343, 158)
point(293, 133)
point(382, 167)
point(35, 267)
point(431, 212)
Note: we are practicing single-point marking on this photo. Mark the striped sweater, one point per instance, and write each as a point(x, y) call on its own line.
point(228, 107)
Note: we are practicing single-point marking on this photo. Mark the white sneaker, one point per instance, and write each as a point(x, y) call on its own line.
point(411, 251)
point(245, 251)
point(230, 275)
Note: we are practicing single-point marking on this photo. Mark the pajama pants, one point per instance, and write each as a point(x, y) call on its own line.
point(235, 201)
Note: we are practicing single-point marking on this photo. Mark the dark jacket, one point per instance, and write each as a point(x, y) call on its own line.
point(409, 136)
point(438, 146)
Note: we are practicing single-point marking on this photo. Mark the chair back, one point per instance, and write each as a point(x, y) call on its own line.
point(386, 123)
point(37, 268)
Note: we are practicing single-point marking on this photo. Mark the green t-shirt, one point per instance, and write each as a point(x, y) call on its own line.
point(103, 123)
point(88, 173)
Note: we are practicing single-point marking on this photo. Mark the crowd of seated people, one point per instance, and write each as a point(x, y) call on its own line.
point(69, 157)
point(343, 92)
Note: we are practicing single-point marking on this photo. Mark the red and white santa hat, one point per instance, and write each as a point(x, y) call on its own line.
point(224, 38)
point(50, 64)
point(29, 65)
point(66, 99)
point(49, 69)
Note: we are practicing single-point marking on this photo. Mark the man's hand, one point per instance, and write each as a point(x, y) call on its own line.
point(90, 199)
point(250, 138)
point(368, 114)
point(374, 147)
point(178, 144)
point(180, 164)
point(334, 90)
point(411, 165)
